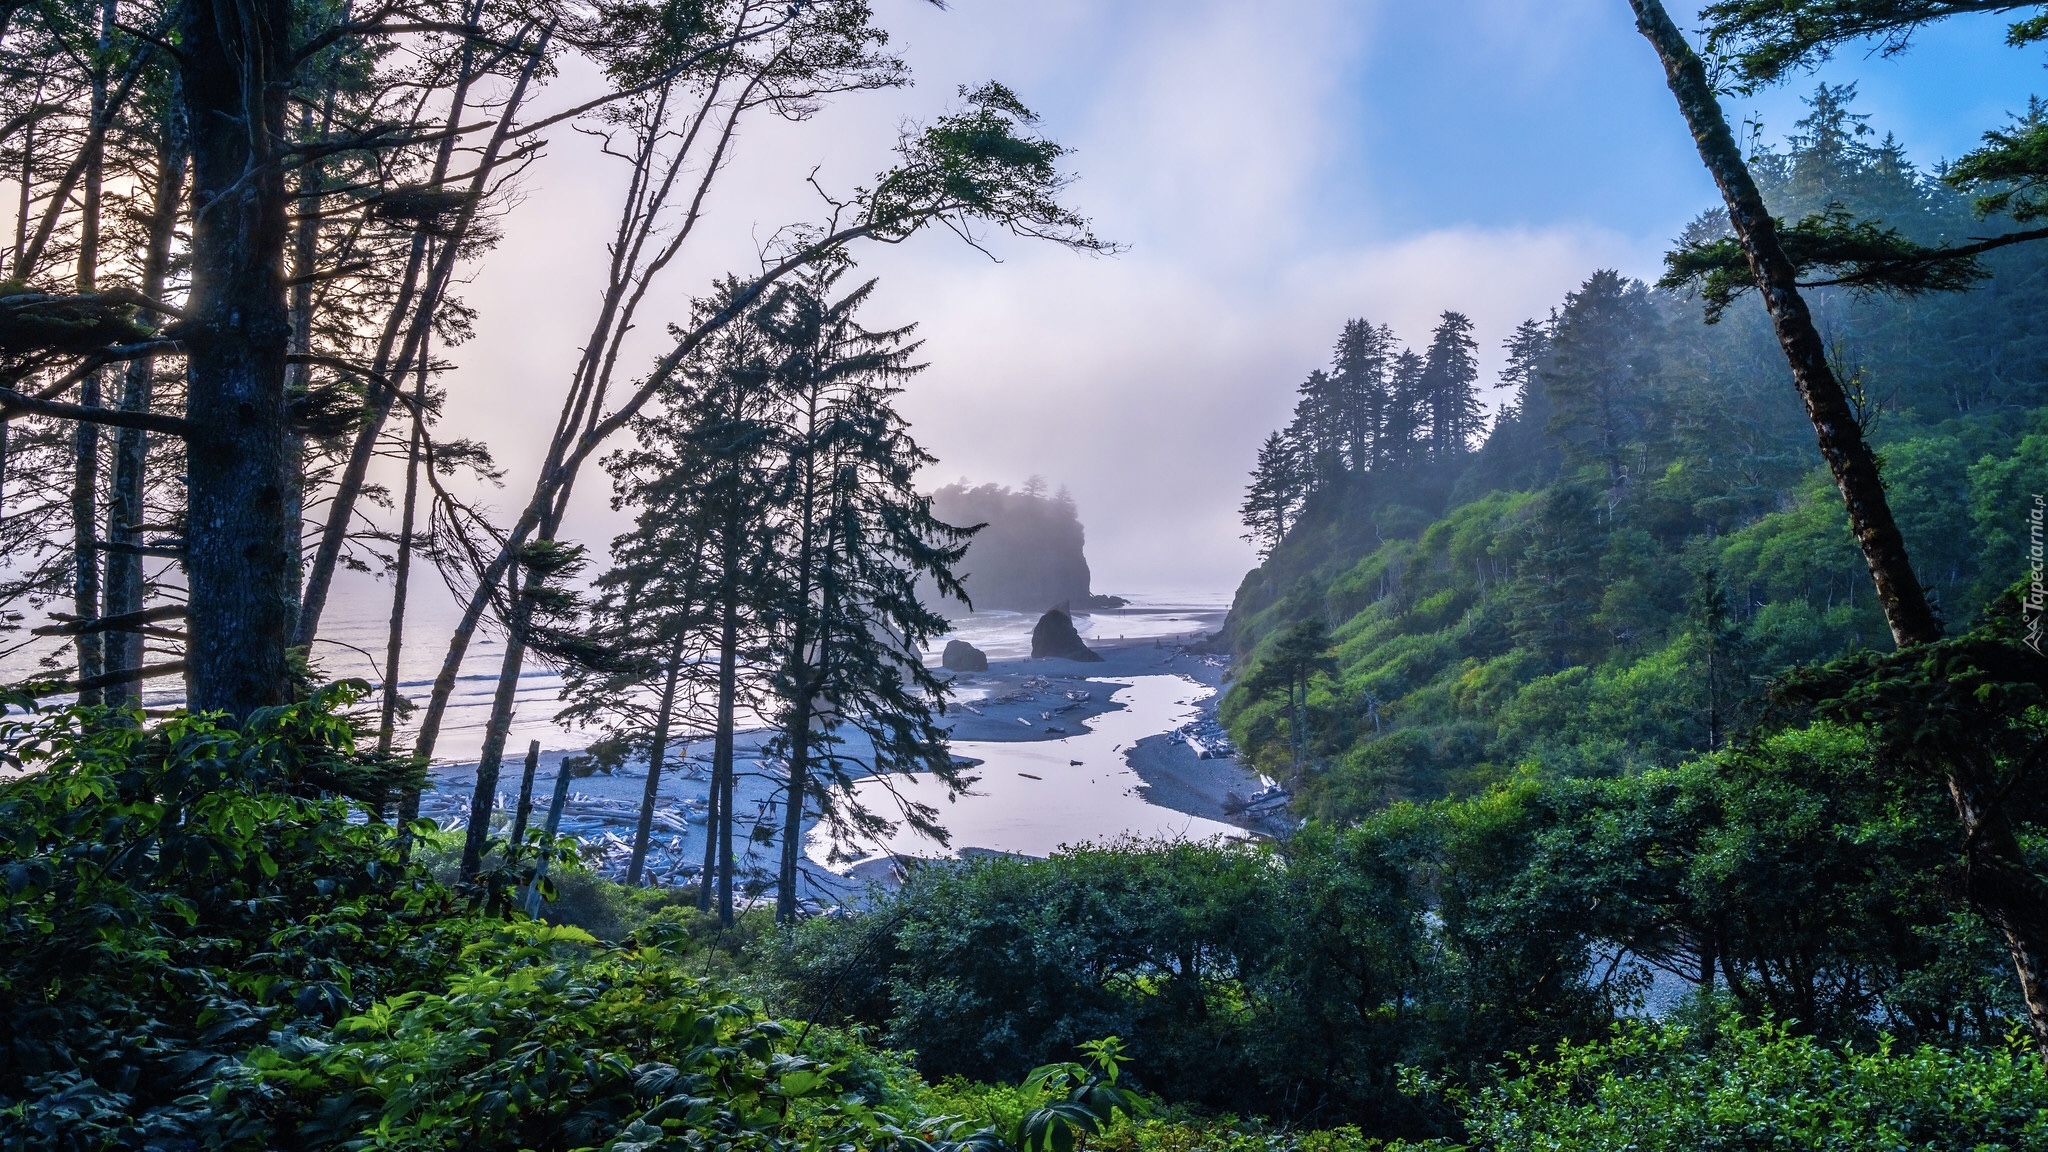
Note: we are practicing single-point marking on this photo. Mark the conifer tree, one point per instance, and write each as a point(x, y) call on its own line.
point(1601, 359)
point(1291, 666)
point(1278, 485)
point(1528, 349)
point(1406, 428)
point(641, 671)
point(1363, 358)
point(856, 537)
point(1449, 396)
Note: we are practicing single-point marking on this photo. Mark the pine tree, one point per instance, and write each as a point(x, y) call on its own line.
point(705, 453)
point(1291, 666)
point(1361, 365)
point(1602, 362)
point(1528, 349)
point(1318, 429)
point(1278, 486)
point(1449, 396)
point(857, 536)
point(641, 674)
point(1406, 428)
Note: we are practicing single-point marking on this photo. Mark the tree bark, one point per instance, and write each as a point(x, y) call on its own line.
point(1997, 866)
point(85, 560)
point(720, 830)
point(241, 557)
point(493, 754)
point(401, 577)
point(656, 750)
point(126, 586)
point(793, 813)
point(525, 809)
point(85, 473)
point(412, 313)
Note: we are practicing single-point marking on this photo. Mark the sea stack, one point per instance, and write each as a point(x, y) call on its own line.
point(960, 656)
point(1055, 638)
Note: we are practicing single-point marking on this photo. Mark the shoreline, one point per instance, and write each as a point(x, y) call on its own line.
point(1018, 700)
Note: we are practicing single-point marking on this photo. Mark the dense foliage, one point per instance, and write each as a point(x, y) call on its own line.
point(1662, 1089)
point(203, 944)
point(1802, 877)
point(1645, 536)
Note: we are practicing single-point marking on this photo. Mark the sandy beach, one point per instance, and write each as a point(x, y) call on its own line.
point(1019, 700)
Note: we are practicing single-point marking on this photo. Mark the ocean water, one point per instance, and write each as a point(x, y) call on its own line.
point(356, 627)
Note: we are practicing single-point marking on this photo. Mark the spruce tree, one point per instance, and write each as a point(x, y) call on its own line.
point(1601, 362)
point(640, 675)
point(1278, 485)
point(857, 536)
point(1449, 395)
point(703, 454)
point(1361, 365)
point(1406, 429)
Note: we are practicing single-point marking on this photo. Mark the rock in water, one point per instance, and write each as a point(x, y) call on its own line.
point(961, 656)
point(1055, 637)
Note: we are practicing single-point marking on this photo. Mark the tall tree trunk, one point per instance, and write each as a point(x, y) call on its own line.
point(722, 743)
point(707, 880)
point(657, 749)
point(126, 503)
point(85, 539)
point(401, 578)
point(241, 557)
point(27, 199)
point(793, 812)
point(493, 754)
point(413, 312)
point(1995, 858)
point(85, 473)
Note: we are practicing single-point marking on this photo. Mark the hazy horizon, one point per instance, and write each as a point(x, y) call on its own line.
point(1268, 177)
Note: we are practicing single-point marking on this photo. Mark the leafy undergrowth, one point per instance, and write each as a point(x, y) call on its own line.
point(205, 944)
point(1666, 1089)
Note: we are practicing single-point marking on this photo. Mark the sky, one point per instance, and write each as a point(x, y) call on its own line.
point(1269, 171)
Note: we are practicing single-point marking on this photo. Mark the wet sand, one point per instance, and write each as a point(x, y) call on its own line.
point(1018, 700)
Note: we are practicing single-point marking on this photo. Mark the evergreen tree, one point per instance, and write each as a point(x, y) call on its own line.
point(641, 672)
point(1528, 349)
point(1406, 429)
point(1278, 486)
point(1318, 429)
point(1601, 363)
point(1295, 659)
point(1363, 359)
point(856, 537)
point(1449, 394)
point(704, 461)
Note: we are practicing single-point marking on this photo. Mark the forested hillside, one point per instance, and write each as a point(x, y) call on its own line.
point(1644, 535)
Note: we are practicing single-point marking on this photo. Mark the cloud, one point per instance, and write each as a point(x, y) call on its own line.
point(1146, 383)
point(1217, 140)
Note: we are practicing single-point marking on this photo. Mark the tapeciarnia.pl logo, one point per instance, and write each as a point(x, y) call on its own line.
point(2037, 564)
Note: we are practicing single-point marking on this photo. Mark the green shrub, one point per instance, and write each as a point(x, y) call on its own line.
point(1660, 1089)
point(170, 896)
point(205, 944)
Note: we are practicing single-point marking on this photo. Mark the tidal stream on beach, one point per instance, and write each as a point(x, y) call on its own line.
point(1030, 798)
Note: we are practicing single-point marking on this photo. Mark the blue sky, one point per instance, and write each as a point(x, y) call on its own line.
point(1273, 169)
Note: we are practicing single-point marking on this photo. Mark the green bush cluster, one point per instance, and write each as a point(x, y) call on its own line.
point(1800, 879)
point(1761, 1088)
point(204, 945)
